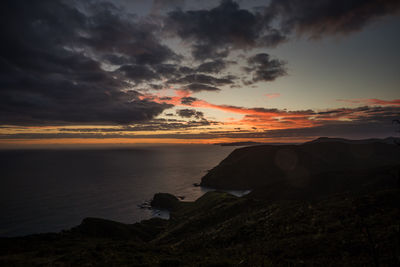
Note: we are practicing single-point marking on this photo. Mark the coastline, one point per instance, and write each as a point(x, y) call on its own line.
point(279, 224)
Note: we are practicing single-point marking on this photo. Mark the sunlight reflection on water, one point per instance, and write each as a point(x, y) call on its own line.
point(51, 190)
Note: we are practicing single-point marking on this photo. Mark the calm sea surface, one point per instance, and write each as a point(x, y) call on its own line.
point(50, 190)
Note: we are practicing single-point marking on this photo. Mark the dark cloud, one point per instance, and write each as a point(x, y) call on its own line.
point(138, 73)
point(214, 32)
point(219, 29)
point(167, 70)
point(189, 113)
point(204, 79)
point(156, 86)
point(202, 82)
point(115, 34)
point(82, 61)
point(186, 70)
point(188, 100)
point(165, 98)
point(264, 68)
point(215, 66)
point(273, 39)
point(204, 52)
point(162, 5)
point(321, 17)
point(192, 79)
point(50, 64)
point(198, 87)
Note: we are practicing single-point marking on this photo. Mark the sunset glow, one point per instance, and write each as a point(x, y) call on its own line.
point(167, 77)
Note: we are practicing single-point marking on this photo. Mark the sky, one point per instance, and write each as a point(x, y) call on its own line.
point(186, 71)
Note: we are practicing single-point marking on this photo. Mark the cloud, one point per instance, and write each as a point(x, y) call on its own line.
point(214, 32)
point(328, 17)
point(215, 66)
point(202, 82)
point(373, 101)
point(152, 125)
point(273, 95)
point(256, 123)
point(138, 73)
point(89, 62)
point(281, 119)
point(51, 61)
point(197, 87)
point(187, 100)
point(162, 5)
point(368, 122)
point(265, 69)
point(189, 113)
point(262, 117)
point(186, 70)
point(395, 102)
point(112, 33)
point(205, 79)
point(129, 131)
point(272, 39)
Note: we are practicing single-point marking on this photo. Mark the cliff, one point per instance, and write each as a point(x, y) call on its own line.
point(297, 165)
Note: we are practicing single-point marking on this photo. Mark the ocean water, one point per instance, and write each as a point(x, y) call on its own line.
point(54, 189)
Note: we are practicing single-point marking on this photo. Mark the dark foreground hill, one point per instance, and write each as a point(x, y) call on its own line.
point(222, 230)
point(352, 222)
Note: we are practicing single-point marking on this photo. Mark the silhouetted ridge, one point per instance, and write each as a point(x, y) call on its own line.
point(296, 165)
point(388, 140)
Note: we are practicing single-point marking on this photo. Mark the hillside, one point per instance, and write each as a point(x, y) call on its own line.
point(222, 230)
point(296, 165)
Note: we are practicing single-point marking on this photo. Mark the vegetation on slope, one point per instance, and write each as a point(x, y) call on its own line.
point(222, 230)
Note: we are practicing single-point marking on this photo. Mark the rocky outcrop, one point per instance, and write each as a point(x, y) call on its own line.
point(165, 201)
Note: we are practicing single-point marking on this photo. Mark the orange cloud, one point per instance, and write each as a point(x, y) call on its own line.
point(274, 119)
point(373, 101)
point(395, 102)
point(273, 95)
point(260, 117)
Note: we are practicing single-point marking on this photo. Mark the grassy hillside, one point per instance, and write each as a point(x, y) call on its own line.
point(222, 230)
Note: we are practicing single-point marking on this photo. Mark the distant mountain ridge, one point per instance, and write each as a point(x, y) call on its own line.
point(388, 140)
point(247, 143)
point(251, 143)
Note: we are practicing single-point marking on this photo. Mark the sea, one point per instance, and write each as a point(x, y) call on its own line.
point(49, 190)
